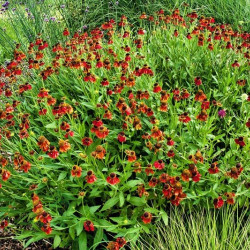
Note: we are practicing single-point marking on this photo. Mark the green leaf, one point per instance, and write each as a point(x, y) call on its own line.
point(110, 203)
point(82, 241)
point(121, 198)
point(62, 176)
point(51, 125)
point(137, 201)
point(164, 217)
point(72, 232)
point(134, 183)
point(79, 227)
point(98, 237)
point(57, 241)
point(93, 209)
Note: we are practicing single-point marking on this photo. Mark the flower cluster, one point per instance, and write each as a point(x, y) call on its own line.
point(115, 120)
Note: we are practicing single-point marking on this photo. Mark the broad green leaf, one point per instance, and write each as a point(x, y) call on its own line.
point(82, 241)
point(164, 217)
point(51, 125)
point(137, 201)
point(98, 237)
point(121, 198)
point(110, 203)
point(79, 227)
point(57, 241)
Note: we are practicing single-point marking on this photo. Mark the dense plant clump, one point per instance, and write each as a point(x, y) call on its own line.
point(103, 131)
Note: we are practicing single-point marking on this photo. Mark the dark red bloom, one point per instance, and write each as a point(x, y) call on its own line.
point(46, 228)
point(86, 141)
point(121, 242)
point(146, 218)
point(3, 224)
point(196, 176)
point(159, 164)
point(97, 122)
point(45, 217)
point(153, 182)
point(113, 179)
point(157, 88)
point(240, 141)
point(5, 175)
point(171, 153)
point(218, 202)
point(197, 81)
point(89, 226)
point(53, 153)
point(66, 32)
point(170, 142)
point(90, 178)
point(213, 168)
point(121, 137)
point(248, 123)
point(235, 64)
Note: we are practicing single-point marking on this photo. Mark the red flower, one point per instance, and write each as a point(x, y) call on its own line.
point(213, 168)
point(200, 96)
point(121, 242)
point(240, 141)
point(5, 175)
point(121, 137)
point(53, 153)
point(102, 132)
point(184, 118)
point(164, 178)
point(186, 174)
point(43, 93)
point(170, 142)
point(113, 245)
point(171, 153)
point(45, 217)
point(42, 112)
point(76, 171)
point(149, 170)
point(131, 155)
point(46, 228)
point(141, 32)
point(105, 82)
point(153, 182)
point(218, 202)
point(230, 198)
point(43, 144)
point(202, 116)
point(89, 226)
point(197, 81)
point(3, 224)
point(97, 122)
point(113, 179)
point(248, 123)
point(99, 152)
point(146, 218)
point(205, 104)
point(157, 88)
point(64, 146)
point(189, 36)
point(86, 141)
point(25, 166)
point(90, 178)
point(235, 171)
point(66, 32)
point(159, 164)
point(235, 64)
